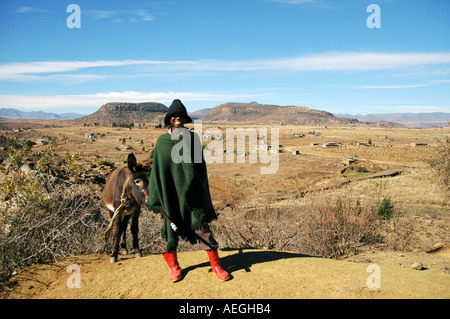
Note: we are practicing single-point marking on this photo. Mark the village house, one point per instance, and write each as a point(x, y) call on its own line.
point(330, 144)
point(349, 161)
point(42, 141)
point(275, 149)
point(364, 144)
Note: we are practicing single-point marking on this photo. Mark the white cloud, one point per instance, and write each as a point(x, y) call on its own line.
point(22, 71)
point(294, 1)
point(330, 61)
point(29, 9)
point(52, 102)
point(100, 14)
point(145, 16)
point(390, 86)
point(354, 61)
point(320, 4)
point(120, 16)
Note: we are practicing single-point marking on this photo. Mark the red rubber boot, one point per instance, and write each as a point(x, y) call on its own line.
point(172, 261)
point(216, 267)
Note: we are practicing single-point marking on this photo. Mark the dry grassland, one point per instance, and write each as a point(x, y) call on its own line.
point(315, 170)
point(269, 209)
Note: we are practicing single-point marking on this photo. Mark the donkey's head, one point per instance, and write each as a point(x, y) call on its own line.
point(138, 182)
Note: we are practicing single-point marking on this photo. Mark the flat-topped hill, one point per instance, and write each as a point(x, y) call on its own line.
point(120, 112)
point(274, 114)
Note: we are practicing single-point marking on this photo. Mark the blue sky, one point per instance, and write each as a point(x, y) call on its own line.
point(315, 53)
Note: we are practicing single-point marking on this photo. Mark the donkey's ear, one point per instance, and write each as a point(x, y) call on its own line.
point(132, 163)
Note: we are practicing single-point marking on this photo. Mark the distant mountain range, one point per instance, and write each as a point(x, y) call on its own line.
point(8, 113)
point(152, 112)
point(231, 112)
point(421, 120)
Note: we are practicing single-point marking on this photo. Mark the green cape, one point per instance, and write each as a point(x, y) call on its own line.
point(180, 187)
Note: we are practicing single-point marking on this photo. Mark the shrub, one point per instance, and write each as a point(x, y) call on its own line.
point(336, 228)
point(106, 163)
point(43, 218)
point(440, 163)
point(385, 209)
point(361, 169)
point(260, 228)
point(321, 227)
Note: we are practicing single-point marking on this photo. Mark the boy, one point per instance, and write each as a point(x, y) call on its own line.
point(179, 189)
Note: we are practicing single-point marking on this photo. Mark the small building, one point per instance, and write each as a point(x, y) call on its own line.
point(274, 149)
point(299, 135)
point(349, 161)
point(295, 152)
point(42, 141)
point(330, 144)
point(364, 144)
point(89, 135)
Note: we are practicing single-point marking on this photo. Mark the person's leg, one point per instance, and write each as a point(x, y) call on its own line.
point(175, 269)
point(205, 238)
point(171, 258)
point(210, 245)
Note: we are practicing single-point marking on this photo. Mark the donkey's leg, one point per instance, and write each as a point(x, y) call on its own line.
point(123, 239)
point(116, 238)
point(135, 232)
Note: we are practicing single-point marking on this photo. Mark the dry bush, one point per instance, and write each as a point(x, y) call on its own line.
point(43, 218)
point(397, 233)
point(335, 228)
point(262, 228)
point(440, 162)
point(319, 227)
point(322, 225)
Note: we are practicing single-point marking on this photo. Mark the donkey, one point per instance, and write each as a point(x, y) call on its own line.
point(124, 193)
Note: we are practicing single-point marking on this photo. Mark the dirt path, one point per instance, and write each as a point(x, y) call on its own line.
point(256, 274)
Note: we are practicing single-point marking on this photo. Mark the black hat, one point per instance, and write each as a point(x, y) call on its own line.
point(176, 107)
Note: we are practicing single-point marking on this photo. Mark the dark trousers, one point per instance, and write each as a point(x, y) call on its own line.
point(205, 238)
